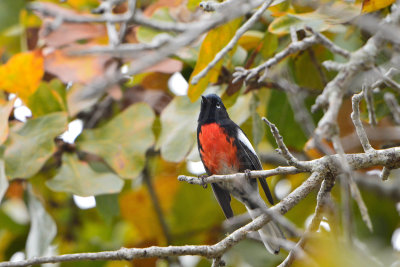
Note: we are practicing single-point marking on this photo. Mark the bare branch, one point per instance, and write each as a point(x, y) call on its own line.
point(355, 116)
point(329, 44)
point(369, 99)
point(284, 150)
point(294, 47)
point(125, 50)
point(138, 18)
point(291, 49)
point(211, 6)
point(349, 180)
point(232, 177)
point(385, 173)
point(333, 65)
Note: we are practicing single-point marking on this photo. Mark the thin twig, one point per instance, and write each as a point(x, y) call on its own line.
point(355, 116)
point(329, 44)
point(369, 99)
point(355, 192)
point(125, 50)
point(241, 73)
point(284, 150)
point(138, 18)
point(393, 106)
point(385, 173)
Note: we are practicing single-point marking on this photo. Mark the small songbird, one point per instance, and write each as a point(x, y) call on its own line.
point(225, 149)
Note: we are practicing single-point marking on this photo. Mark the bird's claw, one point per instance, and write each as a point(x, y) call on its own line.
point(202, 177)
point(247, 174)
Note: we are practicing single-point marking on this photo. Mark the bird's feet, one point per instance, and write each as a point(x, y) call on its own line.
point(202, 177)
point(247, 174)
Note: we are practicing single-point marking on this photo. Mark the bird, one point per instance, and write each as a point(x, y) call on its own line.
point(225, 149)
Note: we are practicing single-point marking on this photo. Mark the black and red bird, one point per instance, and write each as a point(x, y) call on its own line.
point(225, 149)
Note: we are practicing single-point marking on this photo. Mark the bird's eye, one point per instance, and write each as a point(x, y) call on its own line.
point(218, 106)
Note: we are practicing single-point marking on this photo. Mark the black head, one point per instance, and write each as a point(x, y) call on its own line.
point(212, 110)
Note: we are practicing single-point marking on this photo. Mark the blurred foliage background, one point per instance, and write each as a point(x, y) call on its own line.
point(116, 183)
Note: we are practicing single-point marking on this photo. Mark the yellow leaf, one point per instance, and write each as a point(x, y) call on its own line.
point(373, 5)
point(215, 40)
point(22, 74)
point(251, 39)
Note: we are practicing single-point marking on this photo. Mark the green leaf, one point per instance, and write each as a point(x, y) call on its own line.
point(28, 148)
point(3, 180)
point(9, 19)
point(9, 12)
point(108, 206)
point(49, 97)
point(280, 113)
point(78, 178)
point(204, 216)
point(5, 110)
point(43, 228)
point(123, 141)
point(270, 45)
point(215, 40)
point(178, 122)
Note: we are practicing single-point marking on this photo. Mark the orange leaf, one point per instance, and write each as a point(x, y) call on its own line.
point(22, 74)
point(373, 5)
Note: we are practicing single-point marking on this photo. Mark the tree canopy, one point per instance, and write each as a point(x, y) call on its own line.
point(98, 115)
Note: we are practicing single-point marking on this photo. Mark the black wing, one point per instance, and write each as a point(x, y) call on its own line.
point(224, 200)
point(250, 161)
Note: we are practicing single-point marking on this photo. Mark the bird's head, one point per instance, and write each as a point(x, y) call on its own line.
point(212, 110)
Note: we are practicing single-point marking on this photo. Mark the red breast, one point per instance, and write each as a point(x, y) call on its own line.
point(218, 151)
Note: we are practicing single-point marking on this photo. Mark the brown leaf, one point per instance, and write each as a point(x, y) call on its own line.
point(156, 80)
point(80, 69)
point(166, 66)
point(68, 33)
point(157, 99)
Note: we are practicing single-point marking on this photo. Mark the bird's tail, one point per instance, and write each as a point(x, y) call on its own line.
point(270, 233)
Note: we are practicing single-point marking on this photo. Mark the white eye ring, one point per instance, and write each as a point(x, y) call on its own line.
point(218, 106)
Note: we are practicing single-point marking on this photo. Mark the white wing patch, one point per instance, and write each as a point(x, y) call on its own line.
point(242, 137)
